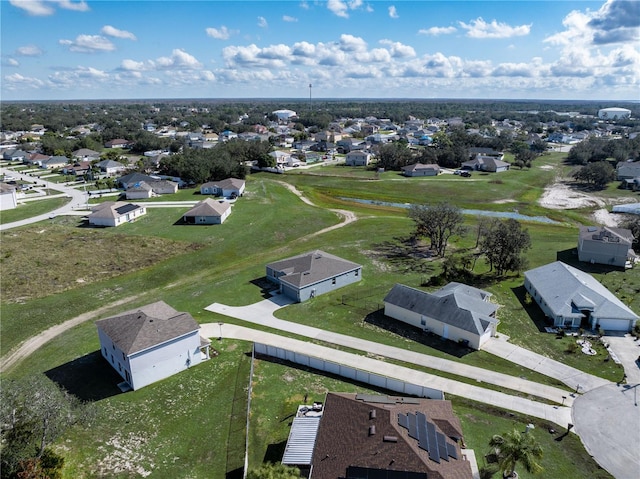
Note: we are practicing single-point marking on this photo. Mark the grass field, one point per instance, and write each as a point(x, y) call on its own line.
point(191, 425)
point(33, 208)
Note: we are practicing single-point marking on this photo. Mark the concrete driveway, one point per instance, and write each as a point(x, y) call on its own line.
point(627, 350)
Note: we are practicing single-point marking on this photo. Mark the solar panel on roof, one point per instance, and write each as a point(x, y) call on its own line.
point(413, 427)
point(423, 439)
point(442, 446)
point(452, 451)
point(433, 442)
point(403, 421)
point(126, 208)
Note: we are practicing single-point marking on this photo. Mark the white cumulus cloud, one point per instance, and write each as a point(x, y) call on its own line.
point(89, 44)
point(43, 8)
point(287, 18)
point(29, 51)
point(436, 31)
point(262, 22)
point(110, 31)
point(393, 13)
point(478, 28)
point(221, 33)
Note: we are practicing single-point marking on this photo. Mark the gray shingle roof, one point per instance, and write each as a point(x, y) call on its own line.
point(458, 305)
point(560, 285)
point(139, 329)
point(208, 207)
point(310, 268)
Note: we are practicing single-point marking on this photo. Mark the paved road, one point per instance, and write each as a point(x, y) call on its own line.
point(76, 199)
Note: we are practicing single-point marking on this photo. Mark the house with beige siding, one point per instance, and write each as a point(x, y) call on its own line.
point(456, 312)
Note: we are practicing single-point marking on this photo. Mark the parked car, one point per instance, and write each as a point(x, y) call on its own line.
point(465, 174)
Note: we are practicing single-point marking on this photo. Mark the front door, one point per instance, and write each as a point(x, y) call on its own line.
point(445, 331)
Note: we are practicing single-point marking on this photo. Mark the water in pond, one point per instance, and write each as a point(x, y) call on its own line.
point(495, 214)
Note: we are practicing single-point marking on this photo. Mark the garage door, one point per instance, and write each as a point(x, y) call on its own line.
point(614, 324)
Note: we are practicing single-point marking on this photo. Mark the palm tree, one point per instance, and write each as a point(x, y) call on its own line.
point(516, 447)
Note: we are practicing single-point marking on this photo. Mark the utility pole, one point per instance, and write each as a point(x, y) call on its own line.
point(310, 85)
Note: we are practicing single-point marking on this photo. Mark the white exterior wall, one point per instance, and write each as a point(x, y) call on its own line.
point(230, 191)
point(435, 326)
point(154, 364)
point(165, 360)
point(138, 195)
point(422, 172)
point(8, 200)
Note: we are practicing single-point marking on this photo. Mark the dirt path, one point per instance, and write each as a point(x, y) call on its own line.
point(347, 216)
point(35, 342)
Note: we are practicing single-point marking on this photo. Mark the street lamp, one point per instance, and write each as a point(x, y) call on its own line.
point(220, 337)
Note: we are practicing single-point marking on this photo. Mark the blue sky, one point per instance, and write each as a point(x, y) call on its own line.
point(83, 49)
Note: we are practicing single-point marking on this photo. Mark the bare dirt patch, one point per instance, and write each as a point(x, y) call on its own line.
point(563, 196)
point(39, 262)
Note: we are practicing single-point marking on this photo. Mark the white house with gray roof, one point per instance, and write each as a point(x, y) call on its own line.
point(307, 275)
point(151, 343)
point(208, 212)
point(227, 188)
point(574, 299)
point(456, 312)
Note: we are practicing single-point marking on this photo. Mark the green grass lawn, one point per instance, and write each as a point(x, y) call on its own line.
point(32, 208)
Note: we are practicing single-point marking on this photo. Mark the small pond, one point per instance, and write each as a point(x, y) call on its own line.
point(496, 214)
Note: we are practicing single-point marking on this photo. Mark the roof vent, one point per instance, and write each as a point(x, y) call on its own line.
point(372, 414)
point(390, 438)
point(372, 430)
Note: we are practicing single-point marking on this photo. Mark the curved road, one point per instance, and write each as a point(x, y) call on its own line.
point(76, 198)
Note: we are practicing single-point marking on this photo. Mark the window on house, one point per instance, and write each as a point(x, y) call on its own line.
point(357, 272)
point(124, 358)
point(423, 322)
point(333, 281)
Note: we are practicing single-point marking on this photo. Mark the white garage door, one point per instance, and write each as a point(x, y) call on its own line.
point(614, 324)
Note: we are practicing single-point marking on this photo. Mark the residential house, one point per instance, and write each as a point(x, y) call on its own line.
point(385, 437)
point(36, 159)
point(282, 158)
point(485, 163)
point(117, 143)
point(419, 169)
point(208, 212)
point(151, 343)
point(85, 154)
point(115, 213)
point(230, 187)
point(8, 197)
point(604, 245)
point(571, 298)
point(627, 170)
point(132, 179)
point(456, 312)
point(54, 162)
point(78, 169)
point(111, 167)
point(15, 155)
point(227, 135)
point(358, 158)
point(310, 274)
point(149, 189)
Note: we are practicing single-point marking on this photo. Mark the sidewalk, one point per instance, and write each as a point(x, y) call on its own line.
point(574, 378)
point(557, 414)
point(262, 313)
